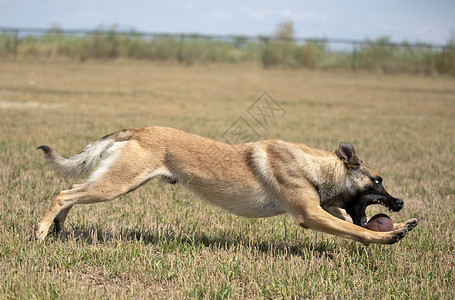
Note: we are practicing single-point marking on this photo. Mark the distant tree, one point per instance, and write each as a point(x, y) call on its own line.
point(55, 28)
point(285, 31)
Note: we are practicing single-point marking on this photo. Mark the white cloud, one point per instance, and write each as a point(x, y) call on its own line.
point(258, 14)
point(312, 16)
point(220, 14)
point(189, 5)
point(287, 13)
point(87, 14)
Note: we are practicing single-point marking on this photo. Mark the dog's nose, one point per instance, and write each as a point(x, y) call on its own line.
point(399, 203)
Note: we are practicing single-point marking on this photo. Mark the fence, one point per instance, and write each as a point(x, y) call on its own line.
point(380, 54)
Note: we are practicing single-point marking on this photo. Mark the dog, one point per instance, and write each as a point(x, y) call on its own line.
point(323, 191)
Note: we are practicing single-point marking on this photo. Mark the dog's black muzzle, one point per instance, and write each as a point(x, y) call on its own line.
point(356, 208)
point(391, 203)
point(399, 204)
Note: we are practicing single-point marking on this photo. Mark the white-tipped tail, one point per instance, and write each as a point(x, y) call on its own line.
point(87, 159)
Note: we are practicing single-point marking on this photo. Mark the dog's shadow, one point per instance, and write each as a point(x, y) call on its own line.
point(225, 240)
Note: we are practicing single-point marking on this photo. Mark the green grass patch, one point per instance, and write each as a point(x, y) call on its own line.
point(162, 242)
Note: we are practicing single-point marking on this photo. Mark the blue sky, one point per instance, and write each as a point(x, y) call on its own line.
point(411, 20)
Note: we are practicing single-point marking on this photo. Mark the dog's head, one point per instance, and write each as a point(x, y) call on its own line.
point(365, 187)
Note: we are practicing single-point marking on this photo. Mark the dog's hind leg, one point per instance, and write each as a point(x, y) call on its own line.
point(102, 190)
point(115, 178)
point(59, 220)
point(58, 211)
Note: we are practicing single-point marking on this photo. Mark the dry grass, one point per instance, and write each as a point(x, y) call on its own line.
point(161, 242)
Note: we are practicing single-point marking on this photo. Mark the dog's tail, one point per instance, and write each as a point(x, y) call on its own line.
point(88, 158)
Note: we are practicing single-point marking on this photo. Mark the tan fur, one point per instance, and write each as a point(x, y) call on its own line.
point(260, 179)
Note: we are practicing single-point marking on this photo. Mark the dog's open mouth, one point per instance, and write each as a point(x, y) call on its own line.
point(392, 204)
point(377, 201)
point(358, 206)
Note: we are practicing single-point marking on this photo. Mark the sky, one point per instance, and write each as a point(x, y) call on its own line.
point(400, 20)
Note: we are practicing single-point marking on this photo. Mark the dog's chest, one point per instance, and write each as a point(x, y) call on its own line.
point(331, 196)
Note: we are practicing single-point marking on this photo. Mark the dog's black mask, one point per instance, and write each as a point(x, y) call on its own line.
point(357, 206)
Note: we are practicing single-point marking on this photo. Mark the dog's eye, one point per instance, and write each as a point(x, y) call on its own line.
point(378, 181)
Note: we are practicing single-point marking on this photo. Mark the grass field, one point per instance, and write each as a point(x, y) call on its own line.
point(162, 242)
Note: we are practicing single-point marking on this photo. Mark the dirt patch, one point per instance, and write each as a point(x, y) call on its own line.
point(29, 104)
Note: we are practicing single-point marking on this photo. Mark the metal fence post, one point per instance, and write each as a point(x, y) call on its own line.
point(354, 57)
point(16, 42)
point(97, 54)
point(443, 54)
point(180, 54)
point(266, 55)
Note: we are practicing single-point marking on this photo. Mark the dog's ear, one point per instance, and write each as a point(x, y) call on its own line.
point(346, 153)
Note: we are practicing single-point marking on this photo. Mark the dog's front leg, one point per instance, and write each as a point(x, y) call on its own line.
point(339, 213)
point(309, 214)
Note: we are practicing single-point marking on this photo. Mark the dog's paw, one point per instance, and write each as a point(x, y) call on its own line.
point(401, 233)
point(412, 223)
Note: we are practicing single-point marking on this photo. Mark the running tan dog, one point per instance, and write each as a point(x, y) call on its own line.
point(260, 179)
